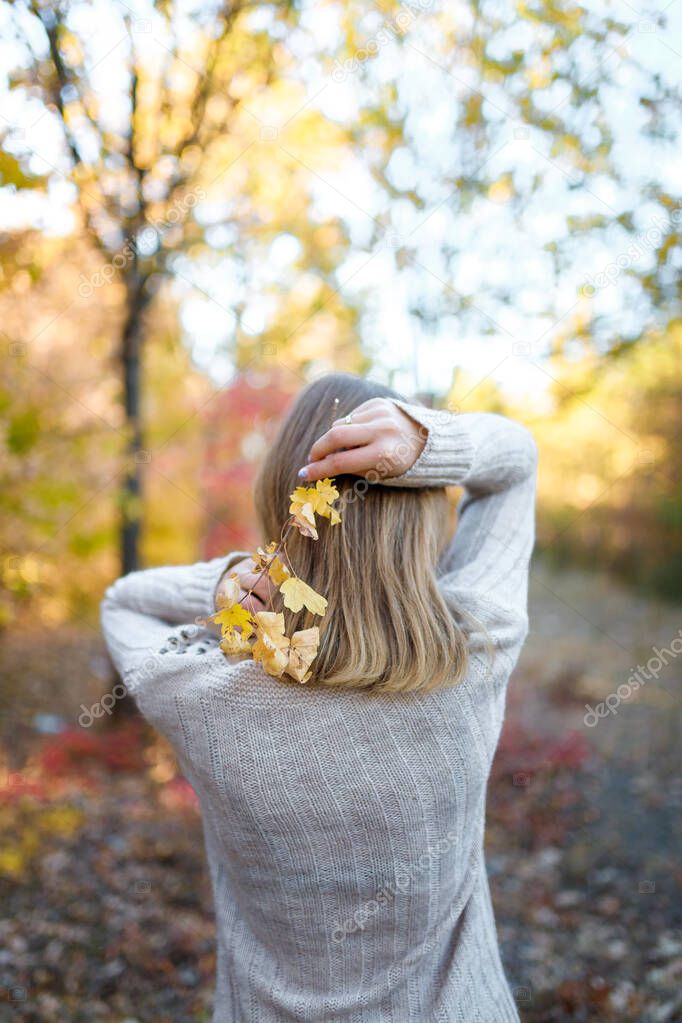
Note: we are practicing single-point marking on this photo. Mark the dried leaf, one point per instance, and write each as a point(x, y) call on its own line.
point(278, 571)
point(271, 646)
point(320, 497)
point(267, 559)
point(234, 616)
point(304, 517)
point(263, 556)
point(229, 591)
point(296, 594)
point(271, 624)
point(326, 495)
point(234, 642)
point(302, 653)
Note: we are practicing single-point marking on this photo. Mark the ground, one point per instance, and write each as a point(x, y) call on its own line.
point(583, 823)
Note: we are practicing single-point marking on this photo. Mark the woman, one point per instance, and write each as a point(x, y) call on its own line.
point(344, 818)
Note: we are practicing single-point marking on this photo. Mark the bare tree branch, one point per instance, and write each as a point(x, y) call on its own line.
point(51, 26)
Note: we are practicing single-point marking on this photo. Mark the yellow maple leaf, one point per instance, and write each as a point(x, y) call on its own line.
point(321, 497)
point(302, 495)
point(234, 642)
point(267, 559)
point(296, 594)
point(326, 494)
point(304, 517)
point(302, 653)
point(306, 502)
point(271, 624)
point(271, 646)
point(278, 571)
point(234, 616)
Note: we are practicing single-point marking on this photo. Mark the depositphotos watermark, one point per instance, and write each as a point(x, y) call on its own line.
point(388, 463)
point(149, 667)
point(103, 706)
point(400, 22)
point(404, 876)
point(152, 230)
point(642, 674)
point(641, 246)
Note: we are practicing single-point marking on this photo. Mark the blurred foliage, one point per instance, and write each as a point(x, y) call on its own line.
point(263, 170)
point(200, 175)
point(239, 422)
point(609, 484)
point(170, 166)
point(515, 125)
point(63, 441)
point(608, 432)
point(37, 803)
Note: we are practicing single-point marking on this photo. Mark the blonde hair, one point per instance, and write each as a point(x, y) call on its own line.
point(387, 626)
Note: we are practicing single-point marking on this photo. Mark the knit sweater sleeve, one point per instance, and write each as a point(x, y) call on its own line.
point(485, 565)
point(140, 609)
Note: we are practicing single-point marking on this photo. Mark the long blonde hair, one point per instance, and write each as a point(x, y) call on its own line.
point(387, 625)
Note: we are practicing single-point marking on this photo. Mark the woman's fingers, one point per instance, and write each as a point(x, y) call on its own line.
point(366, 410)
point(255, 588)
point(381, 438)
point(354, 462)
point(255, 581)
point(252, 602)
point(354, 435)
point(256, 599)
point(249, 579)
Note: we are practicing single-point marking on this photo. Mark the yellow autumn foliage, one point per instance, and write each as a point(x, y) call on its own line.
point(297, 594)
point(263, 635)
point(302, 653)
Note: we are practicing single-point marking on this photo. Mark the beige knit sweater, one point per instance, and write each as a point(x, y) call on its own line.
point(344, 833)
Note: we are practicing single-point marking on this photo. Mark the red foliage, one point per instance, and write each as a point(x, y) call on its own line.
point(521, 749)
point(239, 423)
point(75, 751)
point(570, 751)
point(178, 794)
point(15, 786)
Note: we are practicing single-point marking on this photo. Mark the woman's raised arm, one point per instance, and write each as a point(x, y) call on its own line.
point(494, 458)
point(139, 609)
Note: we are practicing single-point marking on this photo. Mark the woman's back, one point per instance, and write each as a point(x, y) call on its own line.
point(345, 837)
point(344, 829)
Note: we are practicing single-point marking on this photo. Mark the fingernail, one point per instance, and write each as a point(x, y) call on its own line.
point(303, 473)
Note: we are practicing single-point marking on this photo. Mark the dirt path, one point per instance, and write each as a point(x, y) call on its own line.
point(591, 921)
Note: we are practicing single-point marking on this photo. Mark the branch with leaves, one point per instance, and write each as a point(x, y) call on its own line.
point(262, 635)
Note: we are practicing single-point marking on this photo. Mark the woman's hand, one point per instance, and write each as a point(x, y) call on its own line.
point(381, 441)
point(248, 578)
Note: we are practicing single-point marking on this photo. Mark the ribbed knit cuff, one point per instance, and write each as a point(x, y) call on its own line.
point(448, 454)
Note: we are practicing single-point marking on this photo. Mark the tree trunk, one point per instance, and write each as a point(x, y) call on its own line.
point(135, 455)
point(132, 338)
